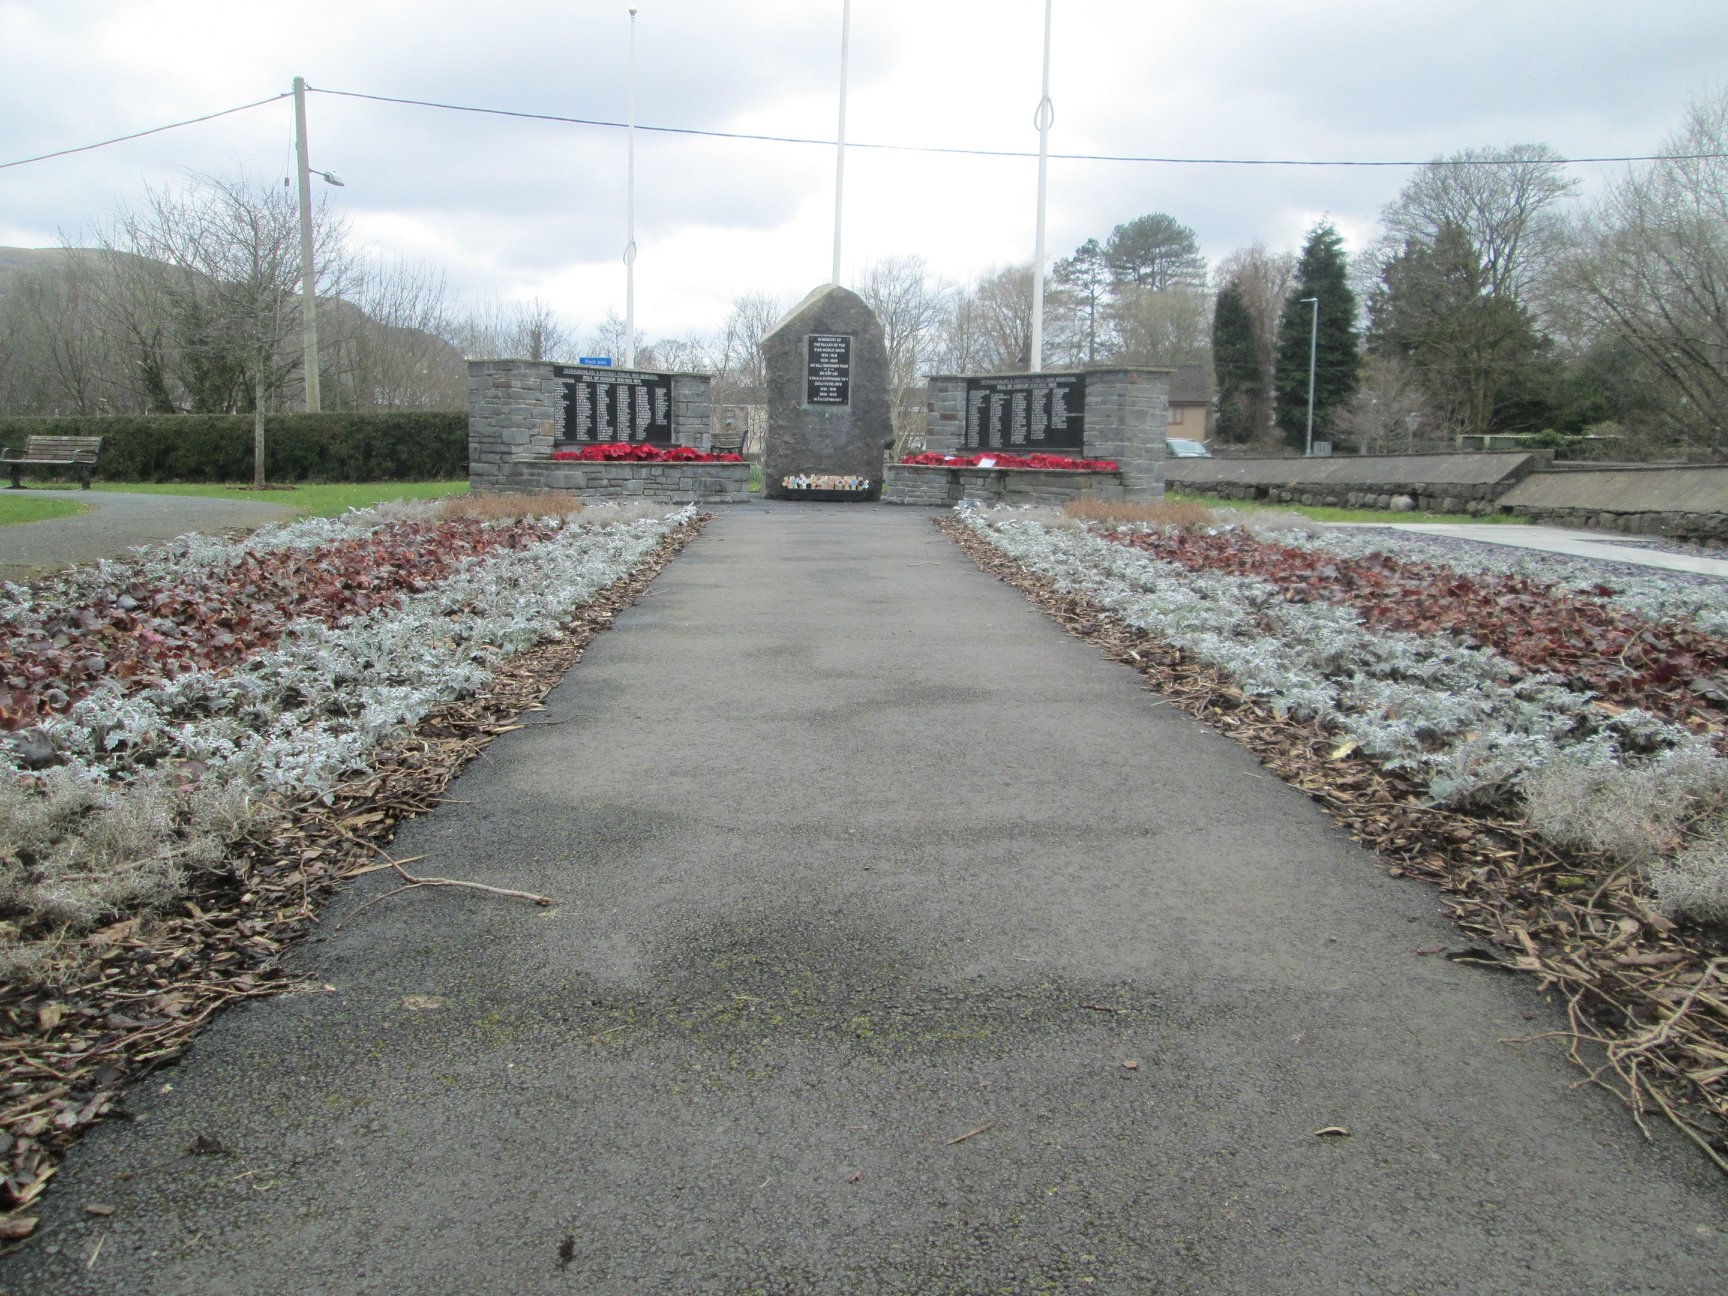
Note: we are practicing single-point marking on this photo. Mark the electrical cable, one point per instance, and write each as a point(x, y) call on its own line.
point(154, 130)
point(948, 151)
point(1012, 153)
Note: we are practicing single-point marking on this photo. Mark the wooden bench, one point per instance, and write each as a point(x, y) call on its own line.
point(80, 452)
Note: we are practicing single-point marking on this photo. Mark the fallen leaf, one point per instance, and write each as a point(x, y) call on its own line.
point(1332, 1131)
point(1131, 1064)
point(98, 1208)
point(50, 1015)
point(14, 1228)
point(422, 1003)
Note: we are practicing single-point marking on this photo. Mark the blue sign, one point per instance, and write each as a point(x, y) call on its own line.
point(604, 362)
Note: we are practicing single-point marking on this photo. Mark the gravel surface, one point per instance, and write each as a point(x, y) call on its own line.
point(905, 945)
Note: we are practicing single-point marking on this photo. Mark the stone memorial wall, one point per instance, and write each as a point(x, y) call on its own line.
point(521, 411)
point(1117, 414)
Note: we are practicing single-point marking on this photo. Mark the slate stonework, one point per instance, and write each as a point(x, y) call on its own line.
point(822, 423)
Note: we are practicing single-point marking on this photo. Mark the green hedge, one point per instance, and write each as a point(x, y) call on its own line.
point(336, 447)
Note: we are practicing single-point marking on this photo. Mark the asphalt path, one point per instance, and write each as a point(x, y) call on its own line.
point(904, 944)
point(117, 523)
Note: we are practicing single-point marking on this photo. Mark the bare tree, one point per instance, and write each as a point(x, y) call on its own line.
point(1507, 200)
point(909, 307)
point(1654, 269)
point(1390, 412)
point(989, 326)
point(1166, 327)
point(386, 345)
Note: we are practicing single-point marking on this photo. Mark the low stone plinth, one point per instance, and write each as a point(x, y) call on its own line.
point(941, 486)
point(665, 483)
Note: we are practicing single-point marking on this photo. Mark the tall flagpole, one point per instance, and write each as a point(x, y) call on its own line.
point(630, 213)
point(840, 145)
point(1043, 119)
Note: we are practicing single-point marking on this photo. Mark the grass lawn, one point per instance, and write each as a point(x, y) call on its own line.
point(310, 499)
point(1322, 514)
point(17, 506)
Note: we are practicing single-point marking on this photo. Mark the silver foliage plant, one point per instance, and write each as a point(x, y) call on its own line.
point(1476, 727)
point(154, 783)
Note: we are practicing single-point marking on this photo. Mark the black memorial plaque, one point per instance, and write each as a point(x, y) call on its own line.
point(828, 371)
point(1026, 413)
point(621, 406)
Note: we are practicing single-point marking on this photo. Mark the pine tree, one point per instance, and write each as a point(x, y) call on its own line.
point(1237, 362)
point(1321, 274)
point(1155, 251)
point(1086, 275)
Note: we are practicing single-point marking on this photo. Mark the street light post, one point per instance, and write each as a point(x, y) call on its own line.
point(1313, 343)
point(308, 269)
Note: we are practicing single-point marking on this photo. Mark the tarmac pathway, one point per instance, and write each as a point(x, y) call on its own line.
point(117, 523)
point(905, 944)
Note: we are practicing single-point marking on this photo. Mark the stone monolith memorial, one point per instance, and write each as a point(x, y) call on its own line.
point(828, 424)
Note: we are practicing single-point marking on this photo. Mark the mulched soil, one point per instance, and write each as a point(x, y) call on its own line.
point(1646, 1000)
point(147, 986)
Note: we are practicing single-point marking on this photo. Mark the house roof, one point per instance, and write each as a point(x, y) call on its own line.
point(1188, 386)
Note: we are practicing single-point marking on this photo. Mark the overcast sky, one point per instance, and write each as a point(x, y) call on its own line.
point(520, 208)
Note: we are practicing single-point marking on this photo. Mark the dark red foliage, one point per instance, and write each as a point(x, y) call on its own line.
point(642, 452)
point(1671, 670)
point(1001, 459)
point(136, 634)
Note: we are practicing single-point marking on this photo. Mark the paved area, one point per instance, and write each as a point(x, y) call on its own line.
point(1598, 545)
point(905, 944)
point(115, 524)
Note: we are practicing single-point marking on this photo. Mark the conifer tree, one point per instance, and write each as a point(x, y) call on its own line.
point(1321, 274)
point(1237, 363)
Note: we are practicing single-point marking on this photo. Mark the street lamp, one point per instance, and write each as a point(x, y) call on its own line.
point(308, 274)
point(1313, 342)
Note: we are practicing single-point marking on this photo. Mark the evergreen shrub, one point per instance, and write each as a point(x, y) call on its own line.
point(411, 445)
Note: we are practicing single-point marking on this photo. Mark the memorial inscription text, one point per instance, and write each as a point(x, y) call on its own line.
point(619, 406)
point(1026, 412)
point(828, 372)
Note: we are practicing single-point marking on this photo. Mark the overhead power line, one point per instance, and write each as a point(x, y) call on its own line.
point(154, 130)
point(885, 148)
point(1010, 153)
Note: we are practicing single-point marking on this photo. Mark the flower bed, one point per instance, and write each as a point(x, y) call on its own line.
point(641, 452)
point(1455, 718)
point(1002, 459)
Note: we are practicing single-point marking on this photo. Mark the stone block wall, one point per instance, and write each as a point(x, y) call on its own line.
point(1127, 418)
point(940, 487)
point(660, 483)
point(516, 419)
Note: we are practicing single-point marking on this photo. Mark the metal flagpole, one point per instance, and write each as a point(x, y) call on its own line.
point(1043, 119)
point(840, 138)
point(630, 213)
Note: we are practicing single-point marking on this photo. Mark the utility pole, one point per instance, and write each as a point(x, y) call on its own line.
point(1043, 119)
point(308, 273)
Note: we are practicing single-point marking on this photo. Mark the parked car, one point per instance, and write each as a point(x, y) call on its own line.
point(1177, 448)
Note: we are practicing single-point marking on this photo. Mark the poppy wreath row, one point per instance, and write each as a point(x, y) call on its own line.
point(1060, 463)
point(642, 452)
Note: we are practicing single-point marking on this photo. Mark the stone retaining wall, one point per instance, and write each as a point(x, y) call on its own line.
point(939, 487)
point(1685, 503)
point(1439, 483)
point(662, 483)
